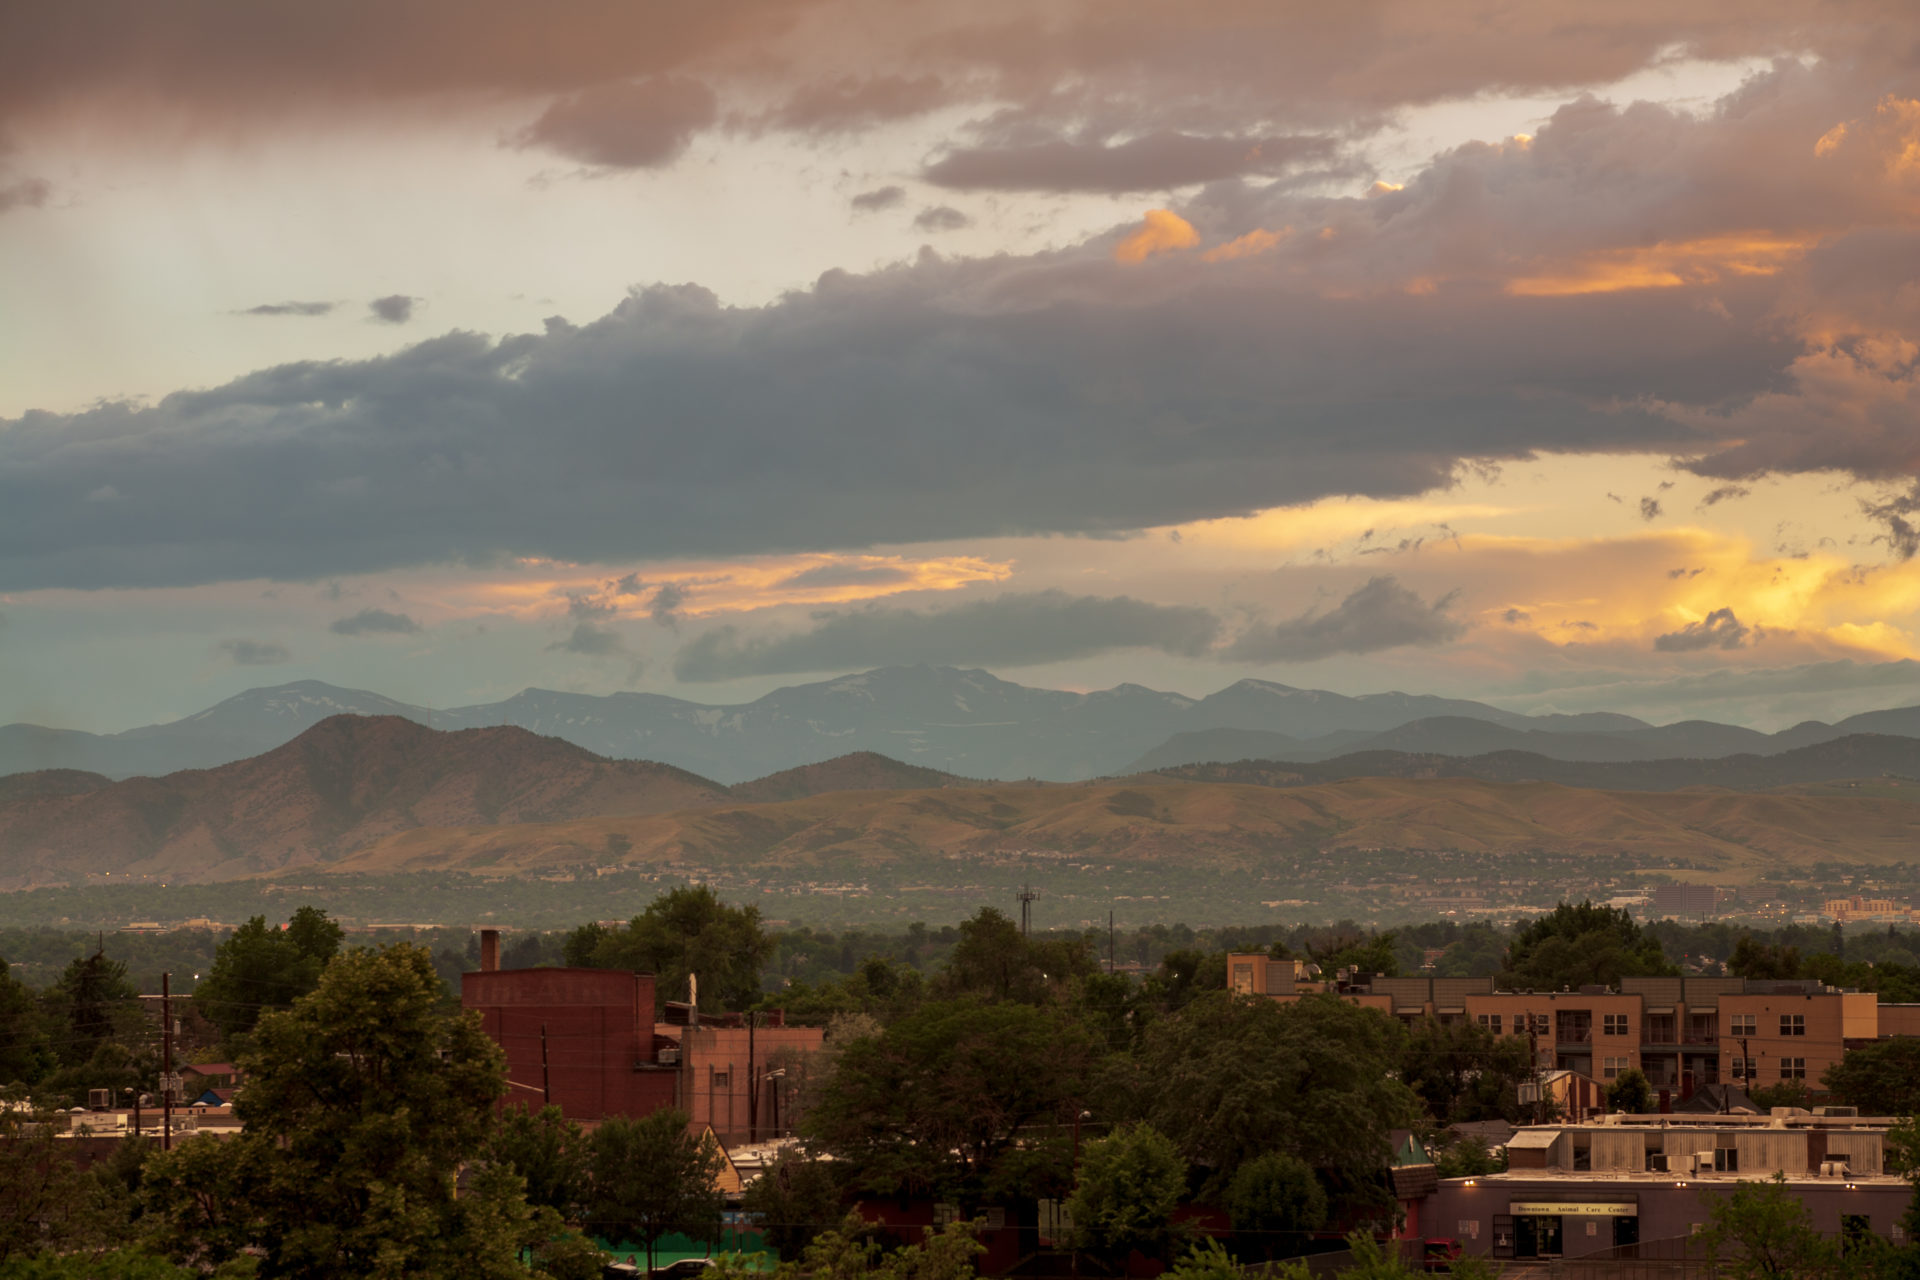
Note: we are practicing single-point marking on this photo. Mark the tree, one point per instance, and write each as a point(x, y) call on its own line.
point(1571, 946)
point(97, 1004)
point(1126, 1189)
point(686, 931)
point(1631, 1092)
point(551, 1155)
point(1754, 959)
point(849, 1252)
point(935, 1102)
point(25, 1054)
point(48, 1206)
point(1464, 1072)
point(260, 968)
point(1209, 1260)
point(1882, 1078)
point(1231, 1077)
point(1274, 1196)
point(651, 1178)
point(995, 961)
point(362, 1103)
point(793, 1200)
point(1788, 1093)
point(1768, 1232)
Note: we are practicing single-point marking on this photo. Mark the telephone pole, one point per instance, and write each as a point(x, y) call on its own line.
point(166, 1060)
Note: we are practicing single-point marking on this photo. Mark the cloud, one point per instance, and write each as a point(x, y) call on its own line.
point(1718, 630)
point(941, 217)
point(1382, 614)
point(254, 653)
point(1649, 508)
point(1157, 162)
point(854, 102)
point(591, 641)
point(1516, 616)
point(841, 574)
point(395, 308)
point(1010, 630)
point(1372, 352)
point(664, 608)
point(1724, 493)
point(1161, 231)
point(24, 193)
point(290, 309)
point(879, 198)
point(375, 622)
point(633, 124)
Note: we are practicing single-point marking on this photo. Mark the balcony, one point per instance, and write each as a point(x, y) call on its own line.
point(1574, 1035)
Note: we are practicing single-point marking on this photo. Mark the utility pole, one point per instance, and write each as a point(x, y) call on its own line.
point(1027, 895)
point(546, 1077)
point(1533, 1057)
point(166, 1060)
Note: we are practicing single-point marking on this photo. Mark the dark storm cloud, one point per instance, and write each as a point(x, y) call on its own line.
point(1057, 392)
point(1718, 630)
point(1153, 163)
point(289, 309)
point(254, 653)
point(1010, 630)
point(395, 308)
point(375, 622)
point(1382, 614)
point(941, 217)
point(637, 124)
point(877, 199)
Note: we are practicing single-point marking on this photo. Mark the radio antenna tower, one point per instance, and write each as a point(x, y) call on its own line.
point(1027, 895)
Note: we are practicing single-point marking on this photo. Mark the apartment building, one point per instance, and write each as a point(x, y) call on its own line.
point(1682, 1033)
point(1612, 1185)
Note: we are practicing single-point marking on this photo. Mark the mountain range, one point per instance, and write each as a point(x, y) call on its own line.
point(953, 721)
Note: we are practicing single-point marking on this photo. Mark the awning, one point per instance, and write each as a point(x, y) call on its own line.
point(1536, 1139)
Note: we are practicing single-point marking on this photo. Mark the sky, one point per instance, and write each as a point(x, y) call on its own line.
point(1558, 355)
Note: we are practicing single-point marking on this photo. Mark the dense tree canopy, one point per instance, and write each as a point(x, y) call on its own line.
point(362, 1102)
point(686, 931)
point(1125, 1192)
point(1571, 946)
point(934, 1102)
point(651, 1178)
point(1234, 1077)
point(259, 968)
point(1882, 1079)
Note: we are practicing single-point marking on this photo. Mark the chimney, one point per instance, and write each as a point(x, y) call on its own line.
point(489, 950)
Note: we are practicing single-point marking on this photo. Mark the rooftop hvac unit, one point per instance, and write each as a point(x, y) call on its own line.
point(1848, 1112)
point(99, 1099)
point(1835, 1169)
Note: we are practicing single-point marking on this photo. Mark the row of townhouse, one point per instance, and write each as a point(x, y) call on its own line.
point(1682, 1033)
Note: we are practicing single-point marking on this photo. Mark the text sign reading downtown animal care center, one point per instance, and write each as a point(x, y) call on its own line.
point(1575, 1208)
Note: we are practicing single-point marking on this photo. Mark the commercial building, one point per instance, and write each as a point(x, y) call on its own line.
point(1628, 1181)
point(586, 1041)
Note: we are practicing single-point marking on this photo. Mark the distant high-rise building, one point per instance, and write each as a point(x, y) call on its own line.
point(1692, 901)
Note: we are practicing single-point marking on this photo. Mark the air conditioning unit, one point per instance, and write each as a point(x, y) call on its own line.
point(99, 1099)
point(1835, 1169)
point(1847, 1112)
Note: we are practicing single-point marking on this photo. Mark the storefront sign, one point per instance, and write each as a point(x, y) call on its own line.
point(1575, 1208)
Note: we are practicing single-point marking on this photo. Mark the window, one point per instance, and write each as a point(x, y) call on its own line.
point(1613, 1024)
point(1743, 1024)
point(1491, 1021)
point(1743, 1068)
point(1793, 1024)
point(722, 1080)
point(1540, 1023)
point(1611, 1067)
point(1726, 1160)
point(1793, 1068)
